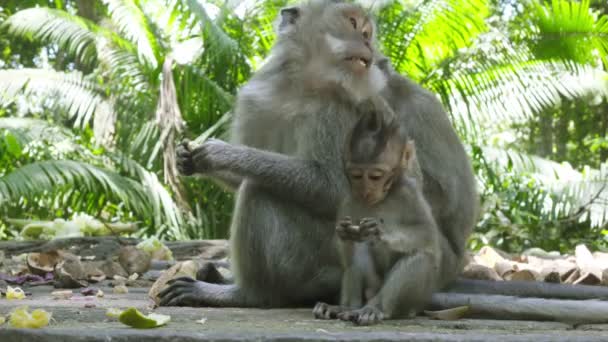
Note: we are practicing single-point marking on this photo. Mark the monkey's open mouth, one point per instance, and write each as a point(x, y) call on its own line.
point(361, 61)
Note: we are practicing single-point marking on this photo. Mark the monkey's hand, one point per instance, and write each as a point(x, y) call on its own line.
point(368, 315)
point(184, 291)
point(185, 164)
point(346, 230)
point(369, 228)
point(326, 311)
point(209, 156)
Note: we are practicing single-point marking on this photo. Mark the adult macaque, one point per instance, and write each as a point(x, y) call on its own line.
point(290, 124)
point(394, 227)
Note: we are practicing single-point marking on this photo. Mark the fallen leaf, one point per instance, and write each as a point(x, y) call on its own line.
point(65, 294)
point(588, 278)
point(156, 249)
point(42, 263)
point(523, 275)
point(487, 257)
point(20, 318)
point(134, 318)
point(475, 271)
point(120, 289)
point(134, 260)
point(202, 320)
point(448, 314)
point(14, 293)
point(181, 269)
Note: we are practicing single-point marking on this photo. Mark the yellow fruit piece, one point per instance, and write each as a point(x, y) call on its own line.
point(133, 318)
point(14, 293)
point(20, 318)
point(113, 312)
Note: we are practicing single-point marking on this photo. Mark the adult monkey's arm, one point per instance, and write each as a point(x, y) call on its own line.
point(307, 182)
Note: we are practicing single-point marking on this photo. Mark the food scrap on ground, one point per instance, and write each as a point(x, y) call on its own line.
point(21, 318)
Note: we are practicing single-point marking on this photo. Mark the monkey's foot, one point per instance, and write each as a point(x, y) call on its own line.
point(367, 315)
point(326, 311)
point(183, 291)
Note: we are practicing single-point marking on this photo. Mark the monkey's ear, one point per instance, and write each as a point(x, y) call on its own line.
point(409, 155)
point(289, 16)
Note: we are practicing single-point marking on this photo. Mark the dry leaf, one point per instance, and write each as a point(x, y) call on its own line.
point(181, 269)
point(64, 294)
point(474, 271)
point(448, 314)
point(42, 263)
point(134, 260)
point(120, 289)
point(587, 278)
point(487, 257)
point(523, 275)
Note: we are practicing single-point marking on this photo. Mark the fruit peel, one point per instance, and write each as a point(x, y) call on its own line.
point(21, 318)
point(135, 319)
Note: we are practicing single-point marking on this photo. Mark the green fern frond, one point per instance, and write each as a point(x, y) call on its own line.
point(512, 93)
point(28, 130)
point(133, 24)
point(50, 176)
point(418, 39)
point(72, 33)
point(80, 97)
point(216, 38)
point(570, 29)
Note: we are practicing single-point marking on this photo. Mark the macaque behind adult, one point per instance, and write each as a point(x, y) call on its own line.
point(383, 224)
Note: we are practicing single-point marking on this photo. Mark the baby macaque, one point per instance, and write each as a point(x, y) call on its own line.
point(385, 226)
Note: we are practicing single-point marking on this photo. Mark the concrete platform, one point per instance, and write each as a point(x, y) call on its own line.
point(74, 322)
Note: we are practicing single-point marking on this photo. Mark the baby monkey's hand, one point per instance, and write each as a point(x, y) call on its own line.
point(367, 230)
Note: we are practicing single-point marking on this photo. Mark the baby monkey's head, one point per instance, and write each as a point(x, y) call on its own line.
point(377, 155)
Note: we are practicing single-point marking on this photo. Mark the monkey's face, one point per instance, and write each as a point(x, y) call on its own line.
point(370, 183)
point(348, 37)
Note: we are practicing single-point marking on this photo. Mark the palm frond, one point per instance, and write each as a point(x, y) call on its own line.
point(27, 130)
point(80, 97)
point(511, 93)
point(133, 24)
point(570, 29)
point(50, 176)
point(418, 39)
point(571, 189)
point(216, 38)
point(72, 33)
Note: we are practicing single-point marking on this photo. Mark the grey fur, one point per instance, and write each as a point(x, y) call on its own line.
point(290, 125)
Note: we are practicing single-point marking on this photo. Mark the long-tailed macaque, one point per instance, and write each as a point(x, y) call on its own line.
point(384, 225)
point(290, 123)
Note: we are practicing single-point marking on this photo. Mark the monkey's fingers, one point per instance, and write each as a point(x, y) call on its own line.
point(326, 311)
point(346, 221)
point(184, 279)
point(369, 222)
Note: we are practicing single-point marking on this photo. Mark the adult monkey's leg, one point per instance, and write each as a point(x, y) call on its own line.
point(266, 274)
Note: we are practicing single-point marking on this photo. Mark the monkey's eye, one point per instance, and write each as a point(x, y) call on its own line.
point(353, 22)
point(366, 35)
point(375, 178)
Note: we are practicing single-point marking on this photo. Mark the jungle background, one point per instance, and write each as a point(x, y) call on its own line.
point(94, 95)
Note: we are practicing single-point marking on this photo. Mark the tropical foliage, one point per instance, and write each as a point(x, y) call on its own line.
point(94, 95)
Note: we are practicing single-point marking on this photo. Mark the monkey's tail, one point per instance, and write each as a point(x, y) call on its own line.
point(528, 289)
